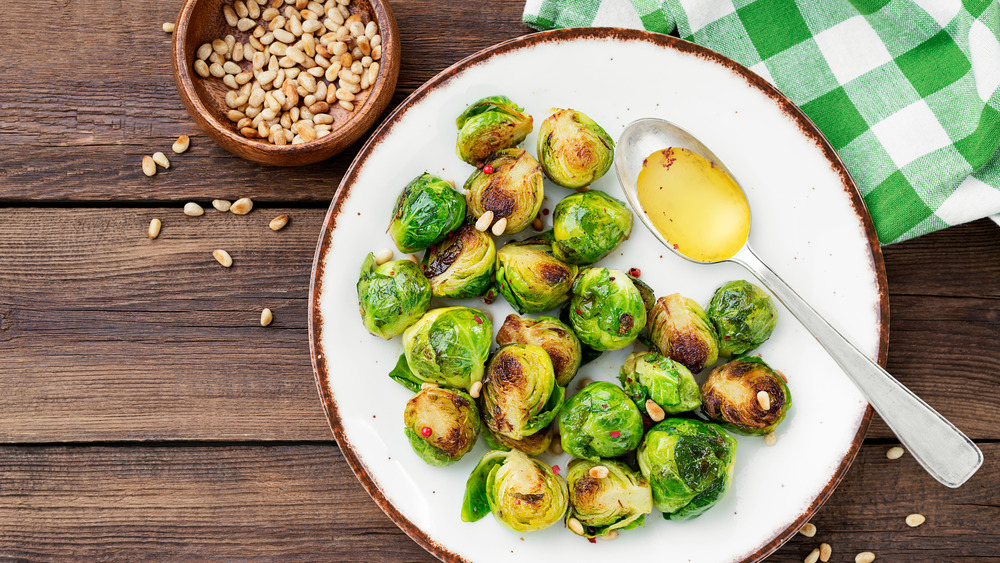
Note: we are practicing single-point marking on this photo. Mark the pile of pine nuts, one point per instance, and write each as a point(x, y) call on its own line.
point(301, 58)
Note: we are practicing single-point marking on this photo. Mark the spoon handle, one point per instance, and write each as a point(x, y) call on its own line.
point(943, 450)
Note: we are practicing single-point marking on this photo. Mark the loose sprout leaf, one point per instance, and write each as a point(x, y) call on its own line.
point(476, 503)
point(402, 375)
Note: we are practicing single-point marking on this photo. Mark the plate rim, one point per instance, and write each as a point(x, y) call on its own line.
point(806, 126)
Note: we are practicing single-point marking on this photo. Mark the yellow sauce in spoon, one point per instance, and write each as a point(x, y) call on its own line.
point(696, 206)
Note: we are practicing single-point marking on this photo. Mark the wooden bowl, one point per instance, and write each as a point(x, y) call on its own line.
point(201, 21)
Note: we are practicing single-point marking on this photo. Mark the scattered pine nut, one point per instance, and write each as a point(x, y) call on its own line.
point(556, 446)
point(241, 206)
point(278, 222)
point(915, 520)
point(895, 452)
point(475, 389)
point(808, 529)
point(825, 551)
point(574, 526)
point(168, 27)
point(598, 472)
point(500, 226)
point(770, 439)
point(181, 144)
point(383, 256)
point(223, 257)
point(537, 224)
point(154, 228)
point(813, 556)
point(221, 205)
point(148, 166)
point(192, 209)
point(764, 400)
point(654, 410)
point(612, 535)
point(585, 381)
point(412, 258)
point(161, 159)
point(864, 557)
point(484, 221)
point(266, 316)
point(428, 385)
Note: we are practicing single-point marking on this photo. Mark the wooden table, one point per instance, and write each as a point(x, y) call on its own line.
point(145, 413)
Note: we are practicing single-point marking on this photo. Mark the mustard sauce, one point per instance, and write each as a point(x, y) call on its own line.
point(696, 206)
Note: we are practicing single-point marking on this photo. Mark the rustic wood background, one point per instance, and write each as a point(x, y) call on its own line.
point(145, 414)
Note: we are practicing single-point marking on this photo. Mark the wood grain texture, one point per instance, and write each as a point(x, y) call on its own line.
point(301, 503)
point(77, 120)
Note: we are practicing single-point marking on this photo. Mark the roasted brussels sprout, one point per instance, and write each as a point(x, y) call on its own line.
point(648, 298)
point(588, 226)
point(441, 424)
point(550, 333)
point(743, 315)
point(689, 465)
point(536, 444)
point(599, 421)
point(427, 209)
point(520, 395)
point(461, 266)
point(447, 346)
point(392, 296)
point(489, 125)
point(606, 310)
point(523, 494)
point(512, 189)
point(650, 376)
point(530, 278)
point(680, 330)
point(733, 396)
point(619, 501)
point(573, 149)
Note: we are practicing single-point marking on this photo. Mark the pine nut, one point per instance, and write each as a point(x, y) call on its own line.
point(813, 556)
point(484, 221)
point(770, 439)
point(204, 51)
point(241, 8)
point(825, 551)
point(241, 206)
point(365, 45)
point(311, 26)
point(500, 226)
point(253, 10)
point(319, 107)
point(555, 448)
point(269, 14)
point(383, 256)
point(654, 410)
point(266, 316)
point(808, 530)
point(148, 166)
point(283, 36)
point(574, 526)
point(371, 30)
point(230, 81)
point(476, 388)
point(221, 205)
point(223, 257)
point(611, 535)
point(895, 452)
point(168, 27)
point(322, 119)
point(914, 520)
point(598, 472)
point(583, 382)
point(220, 47)
point(346, 105)
point(764, 400)
point(245, 24)
point(345, 95)
point(864, 557)
point(538, 226)
point(154, 228)
point(376, 41)
point(428, 385)
point(161, 159)
point(377, 52)
point(192, 209)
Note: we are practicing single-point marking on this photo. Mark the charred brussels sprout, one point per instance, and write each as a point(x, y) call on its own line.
point(743, 315)
point(550, 333)
point(523, 494)
point(462, 265)
point(619, 501)
point(489, 125)
point(512, 191)
point(530, 278)
point(392, 296)
point(650, 376)
point(536, 444)
point(447, 346)
point(606, 310)
point(689, 465)
point(599, 421)
point(520, 395)
point(427, 209)
point(680, 330)
point(588, 226)
point(441, 424)
point(573, 149)
point(732, 395)
point(648, 298)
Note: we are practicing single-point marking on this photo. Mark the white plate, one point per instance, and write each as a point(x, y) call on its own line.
point(809, 224)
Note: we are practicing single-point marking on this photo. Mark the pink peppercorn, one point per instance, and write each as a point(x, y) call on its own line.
point(426, 432)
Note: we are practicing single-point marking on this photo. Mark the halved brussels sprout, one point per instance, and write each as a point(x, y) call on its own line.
point(743, 315)
point(680, 330)
point(462, 265)
point(392, 296)
point(530, 278)
point(520, 395)
point(489, 125)
point(522, 493)
point(550, 333)
point(606, 310)
point(648, 375)
point(427, 209)
point(599, 421)
point(513, 190)
point(588, 226)
point(619, 501)
point(573, 149)
point(732, 396)
point(689, 464)
point(447, 346)
point(536, 444)
point(441, 424)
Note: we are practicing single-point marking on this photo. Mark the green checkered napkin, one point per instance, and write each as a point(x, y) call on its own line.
point(907, 91)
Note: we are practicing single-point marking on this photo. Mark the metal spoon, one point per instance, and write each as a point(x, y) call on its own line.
point(943, 450)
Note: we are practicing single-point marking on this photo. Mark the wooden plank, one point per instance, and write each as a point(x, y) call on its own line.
point(302, 503)
point(79, 118)
point(107, 335)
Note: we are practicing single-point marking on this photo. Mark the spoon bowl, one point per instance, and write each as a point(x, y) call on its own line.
point(940, 448)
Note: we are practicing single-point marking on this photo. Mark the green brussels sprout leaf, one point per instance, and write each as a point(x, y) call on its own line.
point(401, 374)
point(476, 503)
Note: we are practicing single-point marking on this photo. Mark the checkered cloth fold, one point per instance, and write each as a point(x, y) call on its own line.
point(906, 91)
